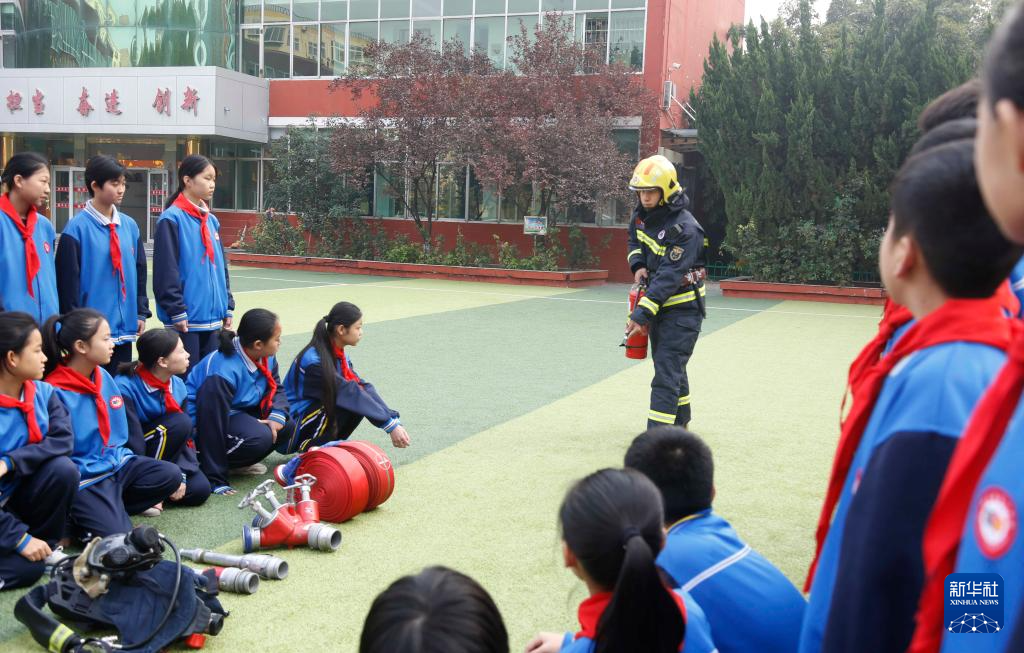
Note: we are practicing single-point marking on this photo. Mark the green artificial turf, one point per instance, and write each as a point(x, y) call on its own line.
point(510, 393)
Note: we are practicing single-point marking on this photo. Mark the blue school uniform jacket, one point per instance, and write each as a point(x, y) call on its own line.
point(749, 603)
point(1017, 282)
point(698, 638)
point(13, 285)
point(86, 277)
point(304, 387)
point(186, 285)
point(146, 405)
point(868, 580)
point(991, 540)
point(95, 460)
point(23, 458)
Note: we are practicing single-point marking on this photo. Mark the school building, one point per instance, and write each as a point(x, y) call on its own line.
point(151, 81)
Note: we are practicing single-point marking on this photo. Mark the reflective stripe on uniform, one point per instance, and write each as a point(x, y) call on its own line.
point(649, 304)
point(683, 297)
point(633, 253)
point(650, 242)
point(664, 418)
point(684, 401)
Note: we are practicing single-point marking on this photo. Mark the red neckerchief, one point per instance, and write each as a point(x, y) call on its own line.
point(27, 408)
point(590, 611)
point(188, 207)
point(958, 320)
point(981, 438)
point(170, 403)
point(26, 229)
point(346, 371)
point(267, 402)
point(115, 257)
point(67, 379)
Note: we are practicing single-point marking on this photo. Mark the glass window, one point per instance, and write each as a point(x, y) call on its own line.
point(360, 35)
point(10, 52)
point(595, 33)
point(451, 192)
point(251, 52)
point(224, 193)
point(490, 7)
point(394, 8)
point(248, 185)
point(591, 4)
point(557, 5)
point(305, 55)
point(458, 7)
point(428, 28)
point(332, 48)
point(483, 200)
point(489, 36)
point(335, 9)
point(516, 24)
point(276, 12)
point(394, 31)
point(363, 9)
point(426, 8)
point(627, 4)
point(275, 51)
point(458, 29)
point(628, 142)
point(388, 189)
point(305, 9)
point(7, 16)
point(627, 38)
point(522, 6)
point(252, 11)
point(515, 203)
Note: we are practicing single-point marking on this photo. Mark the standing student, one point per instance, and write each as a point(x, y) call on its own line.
point(101, 260)
point(942, 258)
point(37, 479)
point(975, 525)
point(236, 402)
point(327, 397)
point(190, 273)
point(156, 403)
point(28, 279)
point(611, 534)
point(115, 483)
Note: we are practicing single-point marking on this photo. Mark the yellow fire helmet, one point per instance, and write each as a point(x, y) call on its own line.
point(656, 172)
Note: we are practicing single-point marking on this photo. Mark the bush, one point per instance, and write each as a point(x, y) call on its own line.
point(275, 235)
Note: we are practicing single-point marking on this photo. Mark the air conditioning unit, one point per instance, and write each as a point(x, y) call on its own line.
point(668, 95)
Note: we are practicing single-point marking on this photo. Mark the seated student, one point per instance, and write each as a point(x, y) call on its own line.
point(612, 530)
point(749, 603)
point(322, 369)
point(101, 260)
point(37, 479)
point(438, 609)
point(942, 258)
point(975, 523)
point(155, 400)
point(234, 400)
point(114, 482)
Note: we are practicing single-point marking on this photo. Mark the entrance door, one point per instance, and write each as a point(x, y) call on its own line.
point(68, 194)
point(135, 203)
point(157, 189)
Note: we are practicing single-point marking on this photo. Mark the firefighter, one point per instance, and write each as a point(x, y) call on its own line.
point(666, 251)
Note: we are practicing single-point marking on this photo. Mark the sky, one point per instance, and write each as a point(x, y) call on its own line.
point(770, 8)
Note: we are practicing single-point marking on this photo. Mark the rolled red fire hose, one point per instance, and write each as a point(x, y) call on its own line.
point(341, 488)
point(380, 475)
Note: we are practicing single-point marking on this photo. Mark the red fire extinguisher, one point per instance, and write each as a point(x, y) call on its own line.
point(636, 345)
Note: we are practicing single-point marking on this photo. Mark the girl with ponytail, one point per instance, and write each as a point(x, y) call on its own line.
point(115, 483)
point(328, 397)
point(612, 532)
point(235, 399)
point(190, 274)
point(156, 402)
point(37, 479)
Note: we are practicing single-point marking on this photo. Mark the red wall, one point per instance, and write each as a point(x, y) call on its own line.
point(612, 257)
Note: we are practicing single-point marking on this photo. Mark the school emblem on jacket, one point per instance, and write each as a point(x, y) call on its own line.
point(675, 253)
point(995, 524)
point(639, 223)
point(46, 247)
point(661, 234)
point(216, 235)
point(116, 402)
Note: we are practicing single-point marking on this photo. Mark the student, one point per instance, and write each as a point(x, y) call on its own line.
point(438, 609)
point(101, 260)
point(942, 258)
point(749, 603)
point(955, 104)
point(155, 401)
point(190, 273)
point(28, 279)
point(611, 533)
point(235, 400)
point(37, 479)
point(975, 524)
point(323, 369)
point(114, 482)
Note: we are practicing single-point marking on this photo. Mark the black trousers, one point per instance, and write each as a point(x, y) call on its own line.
point(312, 430)
point(41, 501)
point(246, 442)
point(102, 508)
point(198, 344)
point(169, 439)
point(122, 354)
point(673, 335)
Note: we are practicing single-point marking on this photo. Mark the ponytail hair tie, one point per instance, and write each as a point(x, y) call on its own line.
point(629, 533)
point(57, 325)
point(326, 321)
